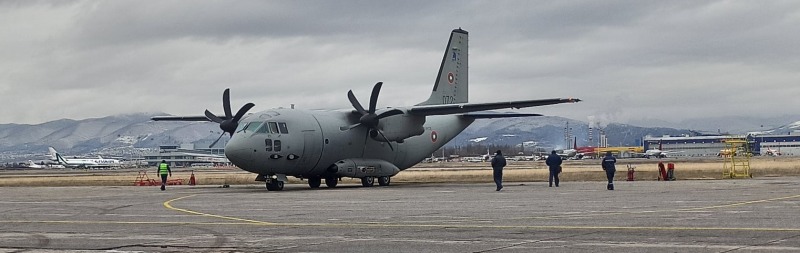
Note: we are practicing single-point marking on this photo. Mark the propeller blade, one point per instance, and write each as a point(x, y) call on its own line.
point(226, 102)
point(213, 117)
point(242, 111)
point(215, 142)
point(388, 113)
point(384, 138)
point(373, 99)
point(355, 102)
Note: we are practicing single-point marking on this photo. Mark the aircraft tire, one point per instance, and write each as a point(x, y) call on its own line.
point(314, 182)
point(384, 181)
point(331, 181)
point(275, 185)
point(368, 181)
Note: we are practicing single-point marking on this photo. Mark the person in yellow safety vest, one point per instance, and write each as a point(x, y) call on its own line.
point(163, 170)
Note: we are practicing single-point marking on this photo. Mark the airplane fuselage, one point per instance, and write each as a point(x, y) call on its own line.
point(305, 143)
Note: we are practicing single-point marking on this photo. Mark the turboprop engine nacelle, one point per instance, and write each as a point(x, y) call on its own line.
point(398, 128)
point(358, 167)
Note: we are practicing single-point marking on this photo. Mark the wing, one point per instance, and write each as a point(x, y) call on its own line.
point(425, 110)
point(479, 115)
point(181, 118)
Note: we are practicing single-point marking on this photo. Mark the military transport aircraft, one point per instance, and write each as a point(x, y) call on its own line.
point(367, 143)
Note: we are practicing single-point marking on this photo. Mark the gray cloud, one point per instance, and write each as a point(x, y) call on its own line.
point(628, 60)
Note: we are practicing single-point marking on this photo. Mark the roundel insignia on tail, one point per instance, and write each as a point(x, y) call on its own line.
point(450, 78)
point(434, 136)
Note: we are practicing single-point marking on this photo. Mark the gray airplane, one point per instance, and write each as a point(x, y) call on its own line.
point(367, 143)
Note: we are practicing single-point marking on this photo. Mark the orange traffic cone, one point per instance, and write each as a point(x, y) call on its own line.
point(191, 179)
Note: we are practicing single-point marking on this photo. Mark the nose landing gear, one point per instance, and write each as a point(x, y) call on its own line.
point(274, 185)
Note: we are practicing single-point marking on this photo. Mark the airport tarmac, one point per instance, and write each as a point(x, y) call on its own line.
point(745, 215)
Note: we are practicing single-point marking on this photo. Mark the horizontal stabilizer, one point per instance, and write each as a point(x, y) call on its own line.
point(478, 115)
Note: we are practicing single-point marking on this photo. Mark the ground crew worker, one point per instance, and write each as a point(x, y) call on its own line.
point(498, 162)
point(554, 164)
point(164, 170)
point(608, 166)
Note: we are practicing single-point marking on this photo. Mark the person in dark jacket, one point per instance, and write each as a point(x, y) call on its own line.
point(608, 166)
point(498, 162)
point(554, 163)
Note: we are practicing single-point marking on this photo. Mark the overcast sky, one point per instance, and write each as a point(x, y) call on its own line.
point(627, 60)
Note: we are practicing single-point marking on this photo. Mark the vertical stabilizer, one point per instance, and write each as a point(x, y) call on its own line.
point(57, 156)
point(51, 153)
point(451, 85)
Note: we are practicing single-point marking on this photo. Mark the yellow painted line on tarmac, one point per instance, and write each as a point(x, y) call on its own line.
point(737, 204)
point(390, 225)
point(96, 222)
point(658, 211)
point(168, 205)
point(474, 226)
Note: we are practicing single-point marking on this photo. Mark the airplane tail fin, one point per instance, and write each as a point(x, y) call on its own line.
point(56, 156)
point(575, 143)
point(451, 85)
point(51, 153)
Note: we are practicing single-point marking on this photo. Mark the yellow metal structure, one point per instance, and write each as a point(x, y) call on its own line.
point(737, 158)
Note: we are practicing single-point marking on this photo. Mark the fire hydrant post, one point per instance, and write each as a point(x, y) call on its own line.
point(192, 180)
point(631, 172)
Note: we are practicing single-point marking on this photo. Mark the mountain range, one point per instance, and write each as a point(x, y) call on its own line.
point(133, 134)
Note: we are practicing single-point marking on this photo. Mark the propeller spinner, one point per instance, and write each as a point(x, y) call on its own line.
point(369, 118)
point(230, 122)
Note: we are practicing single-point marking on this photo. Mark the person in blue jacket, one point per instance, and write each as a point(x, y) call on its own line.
point(498, 162)
point(554, 164)
point(608, 166)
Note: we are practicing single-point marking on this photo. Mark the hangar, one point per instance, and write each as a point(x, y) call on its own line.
point(705, 146)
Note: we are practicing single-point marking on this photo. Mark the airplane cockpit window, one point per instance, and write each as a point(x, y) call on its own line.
point(263, 129)
point(273, 127)
point(241, 127)
point(252, 126)
point(283, 128)
point(268, 143)
point(277, 145)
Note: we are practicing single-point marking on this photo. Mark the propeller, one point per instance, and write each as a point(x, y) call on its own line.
point(369, 118)
point(229, 123)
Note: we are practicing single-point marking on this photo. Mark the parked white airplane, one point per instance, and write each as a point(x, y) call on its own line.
point(33, 165)
point(657, 152)
point(772, 152)
point(82, 162)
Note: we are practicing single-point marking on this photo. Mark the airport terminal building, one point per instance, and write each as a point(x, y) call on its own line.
point(705, 146)
point(187, 155)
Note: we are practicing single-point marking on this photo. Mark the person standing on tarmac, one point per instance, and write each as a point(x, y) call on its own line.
point(608, 166)
point(554, 164)
point(164, 170)
point(498, 162)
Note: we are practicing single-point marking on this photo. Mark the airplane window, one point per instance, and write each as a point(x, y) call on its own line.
point(273, 127)
point(277, 145)
point(241, 127)
point(283, 128)
point(268, 143)
point(263, 129)
point(252, 127)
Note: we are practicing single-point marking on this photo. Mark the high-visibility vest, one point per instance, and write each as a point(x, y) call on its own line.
point(162, 169)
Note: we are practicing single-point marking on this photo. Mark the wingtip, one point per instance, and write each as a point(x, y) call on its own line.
point(574, 100)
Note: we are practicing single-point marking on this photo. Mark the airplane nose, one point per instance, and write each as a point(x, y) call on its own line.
point(238, 153)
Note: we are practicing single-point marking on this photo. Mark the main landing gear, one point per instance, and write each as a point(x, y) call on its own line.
point(331, 181)
point(384, 181)
point(370, 181)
